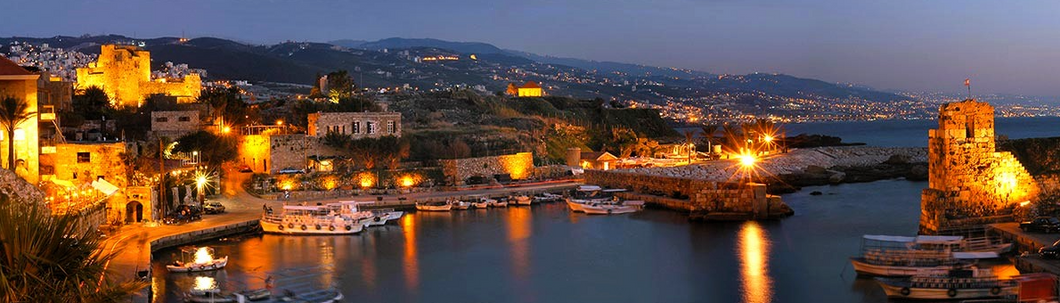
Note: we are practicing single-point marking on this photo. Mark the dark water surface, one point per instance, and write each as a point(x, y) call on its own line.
point(548, 254)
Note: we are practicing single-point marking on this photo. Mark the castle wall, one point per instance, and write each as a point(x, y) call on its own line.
point(968, 178)
point(519, 166)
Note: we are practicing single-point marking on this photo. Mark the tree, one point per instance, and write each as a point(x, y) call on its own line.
point(340, 86)
point(92, 103)
point(708, 135)
point(13, 112)
point(226, 104)
point(45, 258)
point(393, 150)
point(213, 149)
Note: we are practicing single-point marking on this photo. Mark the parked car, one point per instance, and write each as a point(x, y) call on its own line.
point(1043, 224)
point(245, 169)
point(183, 214)
point(213, 207)
point(1050, 252)
point(291, 170)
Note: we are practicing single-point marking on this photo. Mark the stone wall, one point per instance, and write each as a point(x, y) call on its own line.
point(174, 124)
point(691, 194)
point(18, 190)
point(356, 124)
point(519, 166)
point(968, 178)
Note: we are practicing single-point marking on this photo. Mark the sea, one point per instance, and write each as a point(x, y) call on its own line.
point(545, 253)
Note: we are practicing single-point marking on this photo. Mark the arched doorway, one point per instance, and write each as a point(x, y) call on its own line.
point(134, 212)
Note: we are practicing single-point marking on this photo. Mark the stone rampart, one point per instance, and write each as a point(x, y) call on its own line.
point(691, 194)
point(519, 166)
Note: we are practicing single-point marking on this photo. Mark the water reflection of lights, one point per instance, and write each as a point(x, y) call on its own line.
point(518, 232)
point(412, 271)
point(753, 247)
point(205, 283)
point(327, 258)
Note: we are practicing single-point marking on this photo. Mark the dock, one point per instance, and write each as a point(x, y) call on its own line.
point(1027, 242)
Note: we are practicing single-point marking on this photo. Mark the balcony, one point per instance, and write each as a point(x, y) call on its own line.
point(47, 113)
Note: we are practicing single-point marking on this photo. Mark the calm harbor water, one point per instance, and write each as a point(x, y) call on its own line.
point(545, 253)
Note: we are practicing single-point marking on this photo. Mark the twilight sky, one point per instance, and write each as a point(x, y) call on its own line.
point(914, 45)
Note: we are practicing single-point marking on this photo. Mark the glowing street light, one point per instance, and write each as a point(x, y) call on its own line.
point(768, 139)
point(747, 160)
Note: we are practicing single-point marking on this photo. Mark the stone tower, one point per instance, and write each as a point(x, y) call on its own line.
point(970, 182)
point(124, 73)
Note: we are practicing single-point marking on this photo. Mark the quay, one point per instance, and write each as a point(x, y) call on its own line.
point(135, 244)
point(1027, 242)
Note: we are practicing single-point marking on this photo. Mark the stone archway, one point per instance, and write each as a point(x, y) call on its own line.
point(134, 212)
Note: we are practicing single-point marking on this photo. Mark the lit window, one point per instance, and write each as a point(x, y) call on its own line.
point(20, 134)
point(356, 128)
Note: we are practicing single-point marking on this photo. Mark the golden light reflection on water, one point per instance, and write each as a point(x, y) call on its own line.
point(205, 283)
point(327, 258)
point(519, 228)
point(412, 271)
point(753, 248)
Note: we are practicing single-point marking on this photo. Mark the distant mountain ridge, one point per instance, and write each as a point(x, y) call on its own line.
point(491, 70)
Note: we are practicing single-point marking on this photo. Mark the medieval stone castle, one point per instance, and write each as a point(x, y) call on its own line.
point(969, 180)
point(124, 73)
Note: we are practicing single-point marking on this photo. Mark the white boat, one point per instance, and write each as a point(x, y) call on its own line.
point(197, 259)
point(548, 197)
point(434, 206)
point(574, 206)
point(314, 220)
point(523, 200)
point(894, 256)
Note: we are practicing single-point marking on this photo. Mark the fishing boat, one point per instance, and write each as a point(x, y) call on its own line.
point(522, 200)
point(607, 209)
point(434, 206)
point(314, 220)
point(955, 285)
point(951, 243)
point(197, 259)
point(457, 204)
point(891, 256)
point(497, 203)
point(481, 202)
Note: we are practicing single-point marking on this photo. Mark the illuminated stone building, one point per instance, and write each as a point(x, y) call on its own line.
point(174, 124)
point(970, 182)
point(21, 84)
point(82, 163)
point(528, 89)
point(356, 124)
point(124, 73)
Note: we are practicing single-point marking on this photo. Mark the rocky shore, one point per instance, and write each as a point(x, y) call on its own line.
point(812, 166)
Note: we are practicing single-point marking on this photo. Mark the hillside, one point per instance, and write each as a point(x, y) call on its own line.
point(405, 63)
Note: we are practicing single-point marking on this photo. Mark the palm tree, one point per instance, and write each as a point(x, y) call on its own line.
point(708, 134)
point(12, 113)
point(45, 258)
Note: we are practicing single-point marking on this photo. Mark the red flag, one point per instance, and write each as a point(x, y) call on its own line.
point(967, 82)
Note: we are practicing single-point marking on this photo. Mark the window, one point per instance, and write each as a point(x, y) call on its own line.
point(161, 119)
point(356, 128)
point(184, 119)
point(343, 129)
point(390, 127)
point(84, 157)
point(371, 128)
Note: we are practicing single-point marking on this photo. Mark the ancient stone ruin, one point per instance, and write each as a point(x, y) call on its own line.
point(970, 182)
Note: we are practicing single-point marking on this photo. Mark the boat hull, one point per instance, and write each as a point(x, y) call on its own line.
point(917, 293)
point(608, 210)
point(446, 207)
point(867, 269)
point(195, 267)
point(575, 206)
point(292, 229)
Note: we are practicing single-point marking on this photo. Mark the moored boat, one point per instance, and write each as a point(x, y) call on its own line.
point(607, 209)
point(457, 204)
point(523, 200)
point(434, 206)
point(197, 259)
point(891, 256)
point(497, 203)
point(313, 220)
